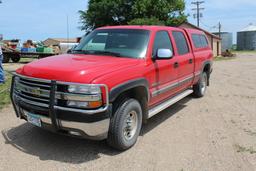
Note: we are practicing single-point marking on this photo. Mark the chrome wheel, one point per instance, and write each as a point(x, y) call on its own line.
point(130, 125)
point(203, 84)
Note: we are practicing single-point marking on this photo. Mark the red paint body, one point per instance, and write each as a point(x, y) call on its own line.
point(114, 71)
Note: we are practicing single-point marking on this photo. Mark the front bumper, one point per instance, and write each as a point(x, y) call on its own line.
point(91, 124)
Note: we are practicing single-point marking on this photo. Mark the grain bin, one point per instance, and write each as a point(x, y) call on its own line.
point(226, 40)
point(246, 38)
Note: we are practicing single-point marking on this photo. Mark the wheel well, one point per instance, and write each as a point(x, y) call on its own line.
point(207, 69)
point(139, 93)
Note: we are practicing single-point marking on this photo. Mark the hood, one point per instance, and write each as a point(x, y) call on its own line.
point(76, 68)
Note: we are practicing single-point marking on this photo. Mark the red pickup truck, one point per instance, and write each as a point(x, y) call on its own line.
point(113, 81)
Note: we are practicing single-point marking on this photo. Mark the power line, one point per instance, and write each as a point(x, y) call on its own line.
point(217, 26)
point(209, 27)
point(198, 15)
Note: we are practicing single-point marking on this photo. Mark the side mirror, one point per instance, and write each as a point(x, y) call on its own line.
point(164, 54)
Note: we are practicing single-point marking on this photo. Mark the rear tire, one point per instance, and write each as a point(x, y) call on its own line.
point(125, 125)
point(201, 87)
point(15, 58)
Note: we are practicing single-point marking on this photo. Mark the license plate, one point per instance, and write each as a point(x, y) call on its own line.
point(34, 119)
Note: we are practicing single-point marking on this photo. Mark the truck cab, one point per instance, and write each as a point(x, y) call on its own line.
point(113, 81)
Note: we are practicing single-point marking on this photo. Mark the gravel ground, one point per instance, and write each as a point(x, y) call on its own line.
point(214, 133)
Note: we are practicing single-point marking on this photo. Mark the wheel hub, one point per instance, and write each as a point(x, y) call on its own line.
point(130, 125)
point(203, 85)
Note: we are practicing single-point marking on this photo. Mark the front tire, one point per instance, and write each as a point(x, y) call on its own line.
point(201, 87)
point(125, 125)
point(6, 58)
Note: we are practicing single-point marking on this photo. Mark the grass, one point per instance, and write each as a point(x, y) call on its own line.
point(5, 91)
point(250, 132)
point(221, 58)
point(241, 149)
point(5, 88)
point(244, 51)
point(26, 60)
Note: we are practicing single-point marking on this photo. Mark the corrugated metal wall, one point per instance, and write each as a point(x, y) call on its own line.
point(226, 40)
point(246, 40)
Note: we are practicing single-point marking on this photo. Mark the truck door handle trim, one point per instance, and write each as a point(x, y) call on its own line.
point(190, 61)
point(176, 65)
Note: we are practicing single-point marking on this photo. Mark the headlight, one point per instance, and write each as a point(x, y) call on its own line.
point(87, 96)
point(84, 89)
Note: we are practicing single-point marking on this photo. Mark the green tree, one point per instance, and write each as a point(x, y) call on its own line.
point(135, 12)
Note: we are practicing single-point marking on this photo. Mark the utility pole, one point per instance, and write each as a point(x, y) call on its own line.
point(198, 15)
point(219, 27)
point(68, 31)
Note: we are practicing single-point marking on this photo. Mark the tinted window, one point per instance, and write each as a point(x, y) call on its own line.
point(100, 38)
point(162, 41)
point(181, 42)
point(196, 40)
point(131, 43)
point(199, 41)
point(204, 41)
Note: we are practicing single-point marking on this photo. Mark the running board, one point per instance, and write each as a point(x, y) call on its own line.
point(168, 103)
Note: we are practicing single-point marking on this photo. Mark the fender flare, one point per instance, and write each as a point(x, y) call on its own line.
point(204, 64)
point(117, 90)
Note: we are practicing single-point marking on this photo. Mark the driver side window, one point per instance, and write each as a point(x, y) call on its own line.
point(162, 41)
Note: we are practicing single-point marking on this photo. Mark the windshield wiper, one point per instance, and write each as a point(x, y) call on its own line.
point(80, 51)
point(107, 53)
point(96, 52)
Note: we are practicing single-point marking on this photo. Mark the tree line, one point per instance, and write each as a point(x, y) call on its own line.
point(132, 12)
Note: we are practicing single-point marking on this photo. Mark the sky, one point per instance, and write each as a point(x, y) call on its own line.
point(234, 15)
point(41, 19)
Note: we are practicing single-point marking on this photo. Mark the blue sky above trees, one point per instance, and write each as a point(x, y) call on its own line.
point(38, 20)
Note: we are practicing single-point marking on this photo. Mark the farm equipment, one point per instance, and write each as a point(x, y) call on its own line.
point(228, 53)
point(15, 55)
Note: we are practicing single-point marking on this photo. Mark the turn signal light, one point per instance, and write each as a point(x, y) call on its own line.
point(95, 104)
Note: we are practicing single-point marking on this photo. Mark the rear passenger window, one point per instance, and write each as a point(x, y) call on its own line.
point(162, 41)
point(181, 42)
point(204, 41)
point(199, 41)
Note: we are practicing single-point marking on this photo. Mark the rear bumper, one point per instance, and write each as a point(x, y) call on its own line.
point(90, 124)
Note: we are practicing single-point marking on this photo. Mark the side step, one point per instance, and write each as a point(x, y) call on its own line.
point(168, 103)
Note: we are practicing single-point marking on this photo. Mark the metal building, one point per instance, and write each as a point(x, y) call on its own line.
point(246, 38)
point(226, 40)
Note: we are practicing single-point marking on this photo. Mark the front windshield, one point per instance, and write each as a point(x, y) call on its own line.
point(115, 42)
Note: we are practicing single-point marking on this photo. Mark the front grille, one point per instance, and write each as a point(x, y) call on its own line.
point(47, 95)
point(33, 91)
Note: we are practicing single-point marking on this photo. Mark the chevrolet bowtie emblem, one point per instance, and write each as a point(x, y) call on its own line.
point(36, 91)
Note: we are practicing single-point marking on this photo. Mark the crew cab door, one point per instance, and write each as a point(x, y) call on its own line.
point(165, 73)
point(185, 59)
